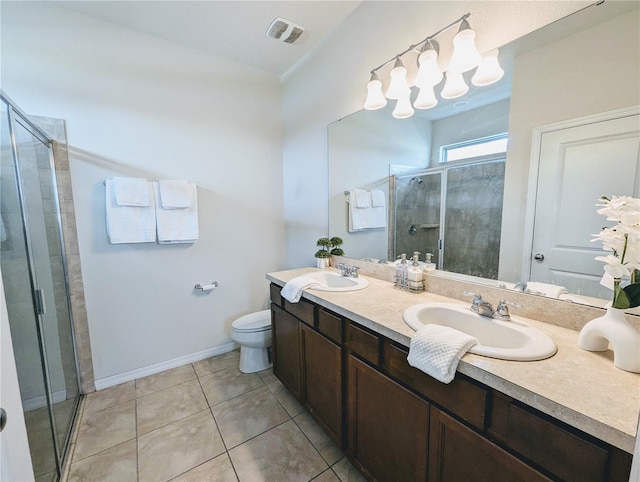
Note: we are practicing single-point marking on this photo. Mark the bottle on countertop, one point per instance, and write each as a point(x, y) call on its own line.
point(402, 271)
point(415, 273)
point(429, 265)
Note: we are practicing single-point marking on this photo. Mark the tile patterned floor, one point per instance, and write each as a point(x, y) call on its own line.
point(205, 421)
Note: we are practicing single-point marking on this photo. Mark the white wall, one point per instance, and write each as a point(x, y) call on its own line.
point(331, 83)
point(137, 105)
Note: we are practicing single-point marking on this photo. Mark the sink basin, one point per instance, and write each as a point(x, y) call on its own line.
point(507, 340)
point(334, 281)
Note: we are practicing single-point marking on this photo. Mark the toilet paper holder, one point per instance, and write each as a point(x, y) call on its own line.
point(206, 287)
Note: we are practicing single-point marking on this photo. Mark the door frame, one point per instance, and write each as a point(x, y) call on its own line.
point(534, 166)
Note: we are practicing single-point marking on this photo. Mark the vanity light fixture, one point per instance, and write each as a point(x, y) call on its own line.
point(465, 57)
point(398, 88)
point(489, 70)
point(375, 97)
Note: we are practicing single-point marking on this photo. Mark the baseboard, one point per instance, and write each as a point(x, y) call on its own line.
point(39, 402)
point(113, 380)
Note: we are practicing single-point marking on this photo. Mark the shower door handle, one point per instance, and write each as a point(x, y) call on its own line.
point(38, 296)
point(3, 419)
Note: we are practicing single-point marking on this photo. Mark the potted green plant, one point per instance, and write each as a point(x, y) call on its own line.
point(336, 242)
point(323, 254)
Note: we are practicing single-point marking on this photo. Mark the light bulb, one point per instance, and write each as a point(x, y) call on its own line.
point(375, 97)
point(426, 98)
point(489, 70)
point(465, 54)
point(403, 108)
point(398, 88)
point(429, 74)
point(455, 86)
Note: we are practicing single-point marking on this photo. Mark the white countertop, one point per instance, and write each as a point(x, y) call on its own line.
point(580, 388)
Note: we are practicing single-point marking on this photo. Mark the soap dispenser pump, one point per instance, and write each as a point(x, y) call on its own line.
point(414, 274)
point(429, 265)
point(402, 272)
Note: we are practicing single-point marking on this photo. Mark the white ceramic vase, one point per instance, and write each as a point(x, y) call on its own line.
point(322, 263)
point(612, 328)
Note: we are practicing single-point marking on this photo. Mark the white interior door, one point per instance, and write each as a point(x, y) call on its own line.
point(577, 166)
point(15, 460)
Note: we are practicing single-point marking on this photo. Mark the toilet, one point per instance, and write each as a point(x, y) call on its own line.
point(253, 333)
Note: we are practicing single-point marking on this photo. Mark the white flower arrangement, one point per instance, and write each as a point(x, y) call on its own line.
point(623, 240)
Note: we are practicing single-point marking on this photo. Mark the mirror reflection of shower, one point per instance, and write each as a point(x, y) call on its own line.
point(454, 212)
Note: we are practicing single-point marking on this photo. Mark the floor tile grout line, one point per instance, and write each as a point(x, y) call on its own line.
point(311, 442)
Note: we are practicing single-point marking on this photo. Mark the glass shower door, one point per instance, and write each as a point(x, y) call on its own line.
point(34, 275)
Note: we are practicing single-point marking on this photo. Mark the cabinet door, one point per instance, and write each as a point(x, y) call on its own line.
point(323, 382)
point(458, 453)
point(286, 350)
point(388, 426)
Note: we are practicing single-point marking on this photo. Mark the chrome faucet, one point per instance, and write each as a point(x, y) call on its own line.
point(520, 286)
point(485, 309)
point(502, 311)
point(344, 269)
point(348, 272)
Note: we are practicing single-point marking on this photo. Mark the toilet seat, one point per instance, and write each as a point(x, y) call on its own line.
point(253, 322)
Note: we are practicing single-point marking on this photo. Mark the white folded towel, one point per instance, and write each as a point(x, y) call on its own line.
point(547, 289)
point(436, 350)
point(378, 198)
point(131, 191)
point(362, 198)
point(359, 218)
point(129, 224)
point(175, 194)
point(177, 225)
point(292, 291)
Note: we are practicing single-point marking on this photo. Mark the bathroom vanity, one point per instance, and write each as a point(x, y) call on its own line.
point(344, 357)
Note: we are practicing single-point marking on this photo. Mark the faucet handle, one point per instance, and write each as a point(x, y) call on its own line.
point(477, 300)
point(354, 271)
point(502, 310)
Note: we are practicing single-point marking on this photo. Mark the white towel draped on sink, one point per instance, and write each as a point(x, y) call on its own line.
point(436, 350)
point(292, 291)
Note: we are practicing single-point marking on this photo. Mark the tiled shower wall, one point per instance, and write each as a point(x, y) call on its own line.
point(55, 128)
point(473, 217)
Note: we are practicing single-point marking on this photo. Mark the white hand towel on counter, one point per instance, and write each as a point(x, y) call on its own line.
point(547, 289)
point(131, 191)
point(177, 226)
point(292, 291)
point(362, 198)
point(175, 194)
point(436, 350)
point(129, 224)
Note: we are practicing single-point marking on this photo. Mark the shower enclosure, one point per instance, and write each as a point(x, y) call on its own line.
point(455, 213)
point(34, 273)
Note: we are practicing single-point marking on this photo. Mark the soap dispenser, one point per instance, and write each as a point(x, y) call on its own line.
point(414, 274)
point(401, 271)
point(429, 265)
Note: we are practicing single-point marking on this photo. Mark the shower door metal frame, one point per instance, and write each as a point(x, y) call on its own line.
point(15, 115)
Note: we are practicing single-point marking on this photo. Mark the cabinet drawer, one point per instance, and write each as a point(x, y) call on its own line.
point(559, 451)
point(276, 297)
point(303, 310)
point(460, 397)
point(364, 344)
point(330, 325)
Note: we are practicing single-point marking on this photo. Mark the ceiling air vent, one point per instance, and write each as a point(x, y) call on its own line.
point(285, 30)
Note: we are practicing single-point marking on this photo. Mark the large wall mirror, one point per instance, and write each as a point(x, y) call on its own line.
point(569, 107)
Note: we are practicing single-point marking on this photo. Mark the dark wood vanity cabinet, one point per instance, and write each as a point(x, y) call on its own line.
point(388, 426)
point(308, 360)
point(396, 423)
